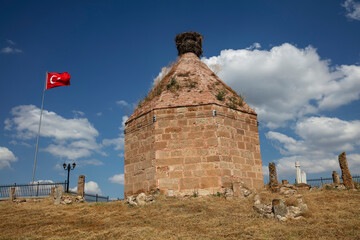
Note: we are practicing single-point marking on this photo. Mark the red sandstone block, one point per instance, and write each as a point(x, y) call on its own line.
point(189, 183)
point(209, 134)
point(182, 122)
point(199, 143)
point(176, 174)
point(190, 115)
point(247, 155)
point(251, 174)
point(226, 181)
point(176, 153)
point(208, 182)
point(169, 183)
point(147, 164)
point(193, 135)
point(160, 175)
point(165, 136)
point(237, 173)
point(226, 159)
point(173, 145)
point(213, 158)
point(210, 127)
point(188, 174)
point(173, 130)
point(223, 134)
point(190, 167)
point(202, 152)
point(160, 145)
point(186, 143)
point(250, 162)
point(189, 152)
point(212, 142)
point(226, 172)
point(241, 145)
point(169, 161)
point(257, 156)
point(129, 168)
point(258, 184)
point(163, 123)
point(213, 172)
point(207, 166)
point(189, 160)
point(163, 154)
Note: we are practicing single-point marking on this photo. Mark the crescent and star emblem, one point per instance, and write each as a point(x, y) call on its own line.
point(51, 79)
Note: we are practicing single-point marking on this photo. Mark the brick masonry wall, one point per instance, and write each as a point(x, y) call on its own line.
point(188, 149)
point(140, 155)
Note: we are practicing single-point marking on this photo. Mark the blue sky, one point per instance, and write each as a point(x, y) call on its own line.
point(296, 62)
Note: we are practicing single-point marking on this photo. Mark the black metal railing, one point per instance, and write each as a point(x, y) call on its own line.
point(321, 181)
point(29, 190)
point(93, 197)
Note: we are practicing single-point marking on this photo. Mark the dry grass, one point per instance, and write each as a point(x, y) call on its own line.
point(332, 215)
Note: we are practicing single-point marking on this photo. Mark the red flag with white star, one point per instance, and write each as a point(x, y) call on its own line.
point(57, 80)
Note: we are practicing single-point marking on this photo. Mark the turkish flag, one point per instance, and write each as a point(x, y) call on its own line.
point(57, 80)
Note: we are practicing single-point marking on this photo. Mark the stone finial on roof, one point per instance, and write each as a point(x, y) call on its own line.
point(189, 42)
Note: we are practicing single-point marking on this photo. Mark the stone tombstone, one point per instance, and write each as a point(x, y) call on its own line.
point(298, 172)
point(81, 185)
point(12, 194)
point(58, 194)
point(336, 178)
point(345, 173)
point(303, 177)
point(273, 175)
point(52, 191)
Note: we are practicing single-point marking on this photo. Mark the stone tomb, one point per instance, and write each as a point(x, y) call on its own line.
point(185, 138)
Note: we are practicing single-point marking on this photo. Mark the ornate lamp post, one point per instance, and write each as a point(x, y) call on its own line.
point(68, 168)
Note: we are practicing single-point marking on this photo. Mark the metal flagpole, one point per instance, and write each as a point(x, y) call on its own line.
point(37, 141)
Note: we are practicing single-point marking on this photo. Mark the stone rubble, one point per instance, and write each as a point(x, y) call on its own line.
point(279, 208)
point(140, 200)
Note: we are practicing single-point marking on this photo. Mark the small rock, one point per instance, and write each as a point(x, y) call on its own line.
point(279, 207)
point(66, 201)
point(141, 199)
point(229, 193)
point(131, 201)
point(256, 199)
point(280, 218)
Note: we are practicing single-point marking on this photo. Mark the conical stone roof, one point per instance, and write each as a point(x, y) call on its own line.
point(190, 82)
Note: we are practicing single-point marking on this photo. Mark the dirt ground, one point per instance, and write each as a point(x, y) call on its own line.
point(332, 214)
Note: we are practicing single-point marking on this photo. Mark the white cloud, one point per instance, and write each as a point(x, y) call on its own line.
point(122, 103)
point(99, 114)
point(6, 157)
point(78, 114)
point(124, 119)
point(118, 178)
point(352, 9)
point(10, 50)
point(73, 138)
point(322, 139)
point(10, 42)
point(91, 187)
point(286, 82)
point(118, 142)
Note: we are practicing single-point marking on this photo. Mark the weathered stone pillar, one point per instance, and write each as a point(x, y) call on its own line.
point(298, 172)
point(336, 178)
point(12, 194)
point(58, 194)
point(345, 173)
point(273, 175)
point(81, 185)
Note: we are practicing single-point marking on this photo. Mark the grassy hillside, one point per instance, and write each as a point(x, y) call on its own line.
point(331, 215)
